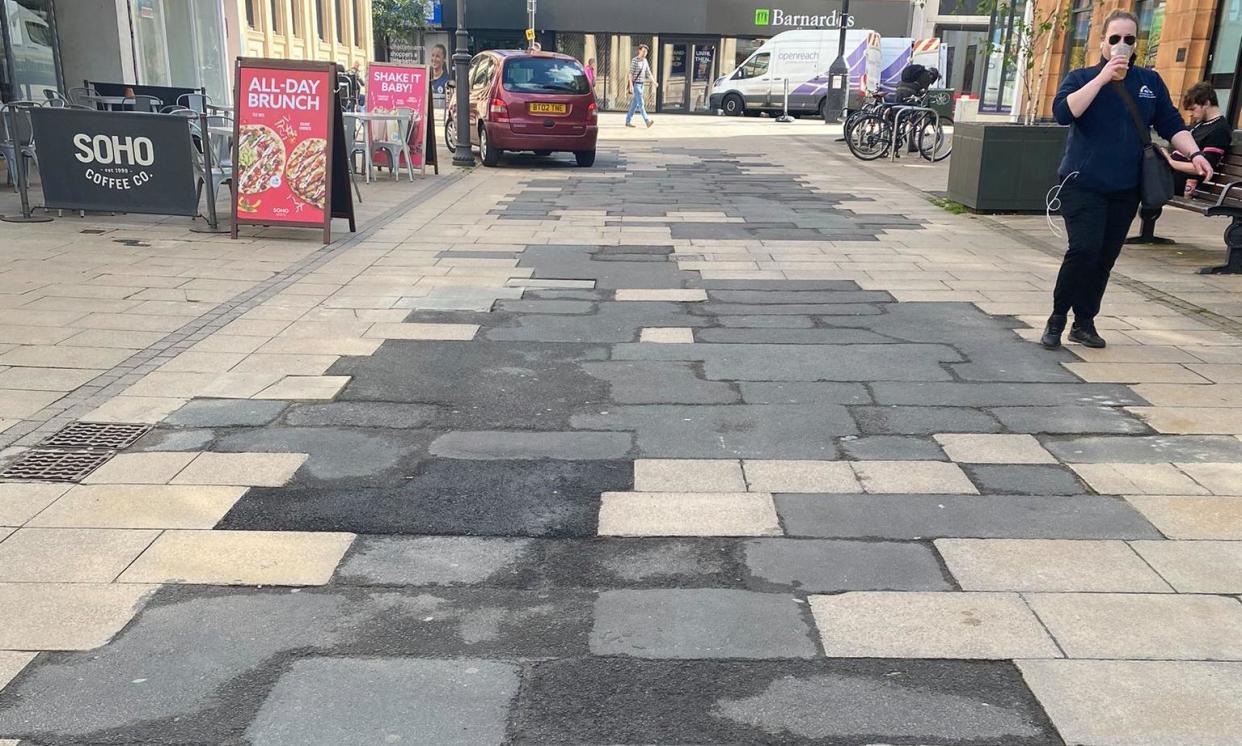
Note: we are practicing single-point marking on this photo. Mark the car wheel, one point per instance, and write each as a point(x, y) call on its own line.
point(586, 158)
point(733, 105)
point(450, 132)
point(490, 155)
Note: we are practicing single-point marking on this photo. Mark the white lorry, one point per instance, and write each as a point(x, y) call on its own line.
point(802, 58)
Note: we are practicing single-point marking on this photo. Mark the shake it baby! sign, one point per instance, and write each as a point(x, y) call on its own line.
point(282, 142)
point(391, 87)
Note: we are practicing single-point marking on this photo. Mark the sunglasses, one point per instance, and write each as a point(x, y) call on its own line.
point(1117, 39)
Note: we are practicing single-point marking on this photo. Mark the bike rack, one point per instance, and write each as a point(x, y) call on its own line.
point(901, 111)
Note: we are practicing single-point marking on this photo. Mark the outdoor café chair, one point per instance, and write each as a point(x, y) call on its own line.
point(193, 101)
point(400, 146)
point(221, 173)
point(353, 148)
point(17, 145)
point(80, 96)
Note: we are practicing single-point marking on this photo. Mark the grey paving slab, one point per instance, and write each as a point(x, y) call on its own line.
point(768, 702)
point(891, 448)
point(909, 420)
point(766, 322)
point(336, 455)
point(1024, 479)
point(388, 700)
point(1152, 449)
point(713, 308)
point(169, 439)
point(439, 561)
point(362, 414)
point(791, 336)
point(1004, 394)
point(226, 413)
point(965, 516)
point(508, 444)
point(643, 563)
point(702, 623)
point(829, 566)
point(734, 362)
point(774, 431)
point(557, 307)
point(795, 297)
point(656, 382)
point(803, 392)
point(613, 322)
point(1069, 419)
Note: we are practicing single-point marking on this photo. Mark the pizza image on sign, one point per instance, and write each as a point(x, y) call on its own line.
point(306, 172)
point(261, 159)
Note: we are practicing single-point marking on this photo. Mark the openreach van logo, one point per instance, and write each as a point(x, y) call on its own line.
point(778, 17)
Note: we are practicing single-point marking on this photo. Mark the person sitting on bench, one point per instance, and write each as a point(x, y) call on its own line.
point(1212, 134)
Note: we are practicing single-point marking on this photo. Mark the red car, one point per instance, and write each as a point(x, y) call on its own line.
point(538, 101)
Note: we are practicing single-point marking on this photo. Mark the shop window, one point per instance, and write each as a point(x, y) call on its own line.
point(250, 15)
point(339, 17)
point(276, 15)
point(360, 29)
point(1079, 34)
point(1150, 26)
point(320, 12)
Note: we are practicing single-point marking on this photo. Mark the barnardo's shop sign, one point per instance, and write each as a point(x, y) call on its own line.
point(115, 161)
point(286, 112)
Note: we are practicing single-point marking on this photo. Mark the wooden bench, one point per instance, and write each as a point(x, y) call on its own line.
point(1220, 196)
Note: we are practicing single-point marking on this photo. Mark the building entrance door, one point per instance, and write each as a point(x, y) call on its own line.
point(687, 69)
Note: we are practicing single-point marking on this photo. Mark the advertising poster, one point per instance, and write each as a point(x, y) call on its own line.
point(391, 87)
point(285, 112)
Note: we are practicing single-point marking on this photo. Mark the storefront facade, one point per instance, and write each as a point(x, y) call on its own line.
point(692, 41)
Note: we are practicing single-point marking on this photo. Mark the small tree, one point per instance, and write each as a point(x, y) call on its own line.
point(397, 19)
point(1026, 42)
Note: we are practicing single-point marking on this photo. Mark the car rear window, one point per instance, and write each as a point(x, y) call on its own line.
point(544, 75)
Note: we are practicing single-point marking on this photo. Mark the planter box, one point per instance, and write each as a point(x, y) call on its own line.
point(1004, 167)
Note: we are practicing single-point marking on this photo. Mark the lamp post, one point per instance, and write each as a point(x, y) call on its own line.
point(838, 74)
point(462, 156)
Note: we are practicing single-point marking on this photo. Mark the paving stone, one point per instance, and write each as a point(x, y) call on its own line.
point(792, 701)
point(64, 616)
point(891, 448)
point(1048, 565)
point(702, 623)
point(611, 322)
point(1068, 419)
point(304, 387)
point(1153, 449)
point(643, 563)
point(800, 476)
point(1187, 517)
point(687, 514)
point(168, 439)
point(792, 336)
point(11, 664)
point(360, 414)
point(815, 566)
point(134, 409)
point(1142, 626)
point(667, 335)
point(905, 420)
point(1219, 479)
point(643, 382)
point(21, 501)
point(454, 332)
point(776, 362)
point(1135, 373)
point(688, 475)
point(929, 625)
point(572, 446)
point(545, 306)
point(437, 560)
point(672, 295)
point(793, 309)
point(251, 469)
point(740, 431)
point(240, 558)
point(141, 468)
point(930, 516)
point(798, 296)
point(226, 413)
point(346, 700)
point(1004, 394)
point(139, 506)
point(1119, 703)
point(766, 322)
point(994, 449)
point(1028, 479)
point(923, 477)
point(1218, 420)
point(1196, 566)
point(802, 392)
point(68, 555)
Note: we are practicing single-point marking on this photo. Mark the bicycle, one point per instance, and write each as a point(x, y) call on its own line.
point(870, 134)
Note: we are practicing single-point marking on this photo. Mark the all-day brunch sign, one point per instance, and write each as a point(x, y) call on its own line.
point(283, 143)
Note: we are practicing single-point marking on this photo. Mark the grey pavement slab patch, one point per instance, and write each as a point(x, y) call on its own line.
point(656, 382)
point(891, 448)
point(447, 496)
point(798, 296)
point(772, 431)
point(1151, 449)
point(767, 702)
point(701, 623)
point(1024, 479)
point(557, 307)
point(829, 336)
point(713, 308)
point(776, 285)
point(829, 566)
point(498, 444)
point(909, 420)
point(439, 561)
point(337, 455)
point(751, 362)
point(1004, 394)
point(766, 322)
point(387, 700)
point(643, 563)
point(612, 322)
point(1069, 419)
point(965, 516)
point(165, 439)
point(361, 414)
point(803, 392)
point(226, 413)
point(577, 262)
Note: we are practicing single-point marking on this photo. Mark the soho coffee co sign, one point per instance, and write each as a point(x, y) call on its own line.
point(115, 161)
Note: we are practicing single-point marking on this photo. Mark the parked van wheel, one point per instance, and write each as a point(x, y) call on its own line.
point(733, 105)
point(823, 108)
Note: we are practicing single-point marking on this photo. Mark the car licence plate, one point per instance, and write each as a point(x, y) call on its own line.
point(548, 108)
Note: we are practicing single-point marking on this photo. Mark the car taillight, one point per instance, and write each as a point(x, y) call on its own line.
point(499, 110)
point(592, 112)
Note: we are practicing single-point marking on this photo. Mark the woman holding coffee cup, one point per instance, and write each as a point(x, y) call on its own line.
point(1099, 190)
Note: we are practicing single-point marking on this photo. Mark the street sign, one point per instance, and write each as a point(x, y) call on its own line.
point(530, 34)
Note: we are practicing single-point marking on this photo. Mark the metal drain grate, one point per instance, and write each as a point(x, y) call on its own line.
point(96, 436)
point(50, 465)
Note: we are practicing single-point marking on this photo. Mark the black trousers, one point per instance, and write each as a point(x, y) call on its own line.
point(1096, 224)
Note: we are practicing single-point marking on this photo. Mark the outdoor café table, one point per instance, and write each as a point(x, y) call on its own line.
point(366, 118)
point(112, 103)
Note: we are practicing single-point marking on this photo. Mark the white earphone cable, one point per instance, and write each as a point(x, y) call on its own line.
point(1052, 203)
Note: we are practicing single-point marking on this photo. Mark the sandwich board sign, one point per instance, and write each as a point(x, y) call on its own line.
point(289, 146)
point(395, 86)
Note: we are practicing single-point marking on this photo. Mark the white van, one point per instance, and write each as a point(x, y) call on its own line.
point(802, 57)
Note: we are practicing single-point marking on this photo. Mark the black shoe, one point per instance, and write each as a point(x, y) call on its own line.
point(1085, 335)
point(1052, 332)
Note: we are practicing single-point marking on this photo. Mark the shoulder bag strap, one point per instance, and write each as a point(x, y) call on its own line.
point(1143, 129)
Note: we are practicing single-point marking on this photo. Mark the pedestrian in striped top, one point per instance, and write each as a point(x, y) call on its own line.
point(640, 73)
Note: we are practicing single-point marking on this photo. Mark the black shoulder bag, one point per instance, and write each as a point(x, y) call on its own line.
point(1155, 176)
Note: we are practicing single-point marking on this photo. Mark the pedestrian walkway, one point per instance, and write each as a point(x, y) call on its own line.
point(722, 441)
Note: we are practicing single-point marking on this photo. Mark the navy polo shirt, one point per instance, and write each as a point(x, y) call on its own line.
point(1104, 145)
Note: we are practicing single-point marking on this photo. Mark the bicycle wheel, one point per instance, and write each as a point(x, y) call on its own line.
point(935, 139)
point(868, 138)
